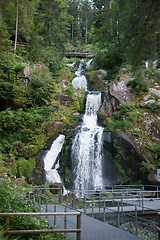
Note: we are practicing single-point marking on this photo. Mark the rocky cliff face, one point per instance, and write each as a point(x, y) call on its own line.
point(136, 145)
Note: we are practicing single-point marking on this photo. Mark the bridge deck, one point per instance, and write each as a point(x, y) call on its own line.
point(78, 54)
point(92, 229)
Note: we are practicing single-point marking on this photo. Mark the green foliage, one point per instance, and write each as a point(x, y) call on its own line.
point(124, 117)
point(95, 82)
point(155, 150)
point(25, 167)
point(113, 125)
point(152, 106)
point(13, 199)
point(23, 135)
point(42, 86)
point(109, 59)
point(117, 163)
point(140, 82)
point(127, 108)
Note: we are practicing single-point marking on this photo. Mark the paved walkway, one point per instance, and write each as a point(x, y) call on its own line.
point(92, 229)
point(148, 204)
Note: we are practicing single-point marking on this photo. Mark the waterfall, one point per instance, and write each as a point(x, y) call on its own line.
point(80, 81)
point(87, 147)
point(50, 160)
point(88, 64)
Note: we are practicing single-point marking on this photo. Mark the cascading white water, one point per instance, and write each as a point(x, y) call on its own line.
point(80, 81)
point(87, 147)
point(88, 64)
point(50, 160)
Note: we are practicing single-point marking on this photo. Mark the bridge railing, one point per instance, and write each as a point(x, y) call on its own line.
point(77, 230)
point(126, 215)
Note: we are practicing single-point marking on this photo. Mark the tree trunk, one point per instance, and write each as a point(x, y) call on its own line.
point(110, 22)
point(78, 20)
point(15, 43)
point(86, 40)
point(50, 25)
point(72, 31)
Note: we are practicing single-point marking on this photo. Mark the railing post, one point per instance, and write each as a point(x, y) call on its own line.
point(73, 202)
point(7, 223)
point(39, 201)
point(104, 209)
point(92, 207)
point(46, 205)
point(79, 227)
point(142, 203)
point(118, 215)
point(67, 200)
point(60, 195)
point(55, 215)
point(136, 225)
point(84, 203)
point(158, 225)
point(122, 203)
point(99, 207)
point(65, 219)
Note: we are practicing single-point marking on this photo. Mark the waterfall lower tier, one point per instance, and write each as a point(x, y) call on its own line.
point(86, 151)
point(87, 156)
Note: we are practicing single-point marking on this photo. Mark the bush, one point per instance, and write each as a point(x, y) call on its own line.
point(142, 80)
point(152, 106)
point(13, 199)
point(109, 59)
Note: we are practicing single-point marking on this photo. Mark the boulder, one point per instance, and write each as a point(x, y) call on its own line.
point(120, 91)
point(63, 99)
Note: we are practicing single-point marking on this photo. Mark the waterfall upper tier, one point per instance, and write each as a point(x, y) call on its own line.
point(80, 81)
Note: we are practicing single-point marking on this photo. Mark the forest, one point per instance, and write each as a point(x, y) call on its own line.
point(123, 36)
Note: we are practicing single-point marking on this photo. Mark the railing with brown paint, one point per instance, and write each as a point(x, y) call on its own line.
point(77, 230)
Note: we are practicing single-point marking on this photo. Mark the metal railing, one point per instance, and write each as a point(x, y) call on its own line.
point(47, 205)
point(121, 211)
point(77, 230)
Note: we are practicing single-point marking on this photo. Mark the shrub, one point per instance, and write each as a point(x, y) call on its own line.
point(142, 80)
point(13, 199)
point(152, 106)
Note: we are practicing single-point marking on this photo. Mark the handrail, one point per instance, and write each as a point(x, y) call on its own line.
point(77, 230)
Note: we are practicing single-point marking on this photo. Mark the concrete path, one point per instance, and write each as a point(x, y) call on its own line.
point(92, 229)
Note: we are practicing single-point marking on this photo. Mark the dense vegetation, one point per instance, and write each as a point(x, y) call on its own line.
point(35, 34)
point(13, 198)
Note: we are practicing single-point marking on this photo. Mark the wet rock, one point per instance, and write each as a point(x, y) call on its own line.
point(53, 129)
point(152, 126)
point(109, 105)
point(63, 99)
point(38, 174)
point(120, 91)
point(116, 94)
point(152, 178)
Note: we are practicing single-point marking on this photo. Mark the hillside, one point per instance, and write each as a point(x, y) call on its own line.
point(34, 109)
point(131, 111)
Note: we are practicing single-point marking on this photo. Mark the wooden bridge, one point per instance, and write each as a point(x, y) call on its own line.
point(78, 54)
